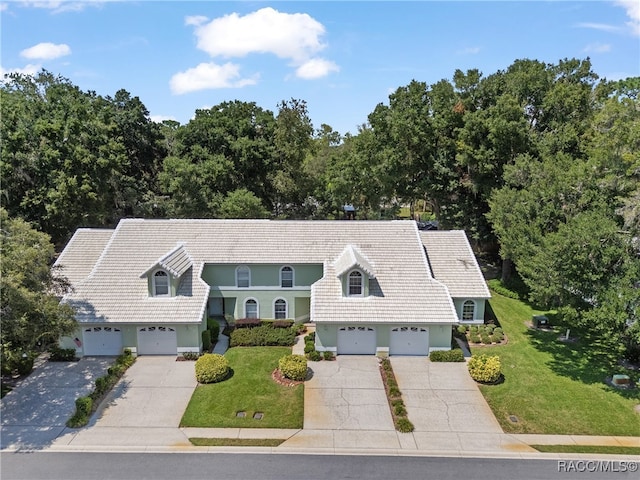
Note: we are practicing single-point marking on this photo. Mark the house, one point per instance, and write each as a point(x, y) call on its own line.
point(371, 287)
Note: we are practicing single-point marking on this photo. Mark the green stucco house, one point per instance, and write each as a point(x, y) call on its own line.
point(370, 287)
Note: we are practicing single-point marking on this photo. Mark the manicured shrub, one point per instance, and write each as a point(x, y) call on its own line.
point(206, 340)
point(102, 384)
point(309, 347)
point(84, 405)
point(215, 332)
point(310, 338)
point(211, 368)
point(264, 335)
point(484, 336)
point(314, 356)
point(462, 329)
point(248, 322)
point(282, 324)
point(498, 330)
point(394, 392)
point(299, 328)
point(474, 338)
point(293, 367)
point(191, 355)
point(490, 327)
point(328, 355)
point(397, 401)
point(403, 425)
point(484, 368)
point(57, 354)
point(24, 365)
point(447, 356)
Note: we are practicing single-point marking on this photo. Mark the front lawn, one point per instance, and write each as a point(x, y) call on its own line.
point(251, 390)
point(554, 387)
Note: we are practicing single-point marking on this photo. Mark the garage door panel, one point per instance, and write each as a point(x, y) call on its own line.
point(157, 340)
point(102, 341)
point(356, 341)
point(409, 341)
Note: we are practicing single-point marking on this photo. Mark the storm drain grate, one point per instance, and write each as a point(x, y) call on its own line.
point(258, 415)
point(513, 419)
point(241, 414)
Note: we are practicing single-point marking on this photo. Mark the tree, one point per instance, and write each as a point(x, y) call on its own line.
point(242, 203)
point(32, 318)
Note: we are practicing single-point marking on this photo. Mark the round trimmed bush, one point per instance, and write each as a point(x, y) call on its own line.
point(484, 368)
point(211, 368)
point(474, 338)
point(314, 356)
point(293, 367)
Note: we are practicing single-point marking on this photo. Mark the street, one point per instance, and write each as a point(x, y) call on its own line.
point(218, 466)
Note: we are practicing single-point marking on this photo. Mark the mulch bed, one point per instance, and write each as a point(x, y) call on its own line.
point(282, 380)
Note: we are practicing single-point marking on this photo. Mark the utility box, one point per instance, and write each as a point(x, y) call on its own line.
point(540, 321)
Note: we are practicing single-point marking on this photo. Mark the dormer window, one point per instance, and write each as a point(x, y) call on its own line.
point(356, 286)
point(243, 276)
point(286, 277)
point(160, 284)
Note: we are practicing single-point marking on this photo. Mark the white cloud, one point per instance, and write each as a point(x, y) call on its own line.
point(597, 48)
point(469, 51)
point(316, 68)
point(633, 12)
point(161, 118)
point(46, 51)
point(605, 27)
point(30, 69)
point(195, 20)
point(209, 76)
point(294, 36)
point(59, 6)
point(3, 7)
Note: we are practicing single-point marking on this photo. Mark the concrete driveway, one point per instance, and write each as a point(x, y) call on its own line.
point(144, 408)
point(35, 412)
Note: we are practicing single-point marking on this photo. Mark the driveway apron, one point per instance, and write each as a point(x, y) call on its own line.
point(35, 412)
point(346, 394)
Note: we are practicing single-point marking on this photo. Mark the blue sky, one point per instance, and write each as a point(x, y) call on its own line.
point(343, 58)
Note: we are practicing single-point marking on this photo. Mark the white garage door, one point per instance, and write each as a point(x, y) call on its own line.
point(157, 341)
point(409, 341)
point(102, 340)
point(356, 341)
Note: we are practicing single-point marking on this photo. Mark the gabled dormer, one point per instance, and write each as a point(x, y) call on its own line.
point(165, 275)
point(355, 271)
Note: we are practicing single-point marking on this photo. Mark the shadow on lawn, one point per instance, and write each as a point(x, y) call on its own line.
point(587, 359)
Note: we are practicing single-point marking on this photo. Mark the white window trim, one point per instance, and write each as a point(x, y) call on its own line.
point(248, 270)
point(293, 276)
point(286, 308)
point(466, 302)
point(257, 307)
point(153, 283)
point(349, 294)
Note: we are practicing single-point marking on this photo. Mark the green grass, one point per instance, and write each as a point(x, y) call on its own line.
point(604, 449)
point(236, 442)
point(250, 389)
point(555, 387)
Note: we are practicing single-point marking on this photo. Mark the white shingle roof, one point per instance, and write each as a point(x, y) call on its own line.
point(402, 290)
point(453, 263)
point(82, 252)
point(176, 262)
point(351, 257)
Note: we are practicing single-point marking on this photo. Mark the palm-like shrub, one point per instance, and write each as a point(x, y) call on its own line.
point(293, 367)
point(211, 368)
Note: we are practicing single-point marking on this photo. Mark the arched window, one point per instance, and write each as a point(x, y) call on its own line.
point(286, 277)
point(251, 308)
point(160, 283)
point(469, 310)
point(280, 309)
point(243, 276)
point(355, 284)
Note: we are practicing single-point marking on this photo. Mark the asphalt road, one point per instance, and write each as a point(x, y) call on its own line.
point(218, 466)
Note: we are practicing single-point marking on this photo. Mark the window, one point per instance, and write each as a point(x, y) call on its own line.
point(286, 277)
point(280, 309)
point(355, 284)
point(251, 308)
point(160, 284)
point(468, 310)
point(243, 276)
